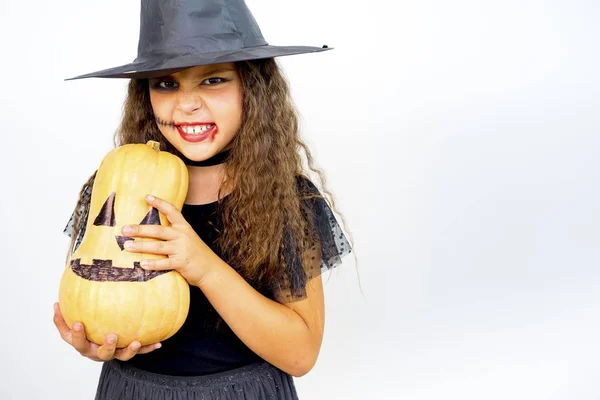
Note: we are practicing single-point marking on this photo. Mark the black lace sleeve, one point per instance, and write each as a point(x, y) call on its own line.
point(330, 245)
point(82, 211)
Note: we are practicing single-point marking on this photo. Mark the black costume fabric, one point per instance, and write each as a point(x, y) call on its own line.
point(259, 381)
point(205, 345)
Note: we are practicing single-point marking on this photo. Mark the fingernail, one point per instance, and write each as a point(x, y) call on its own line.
point(76, 326)
point(127, 229)
point(128, 244)
point(111, 339)
point(158, 346)
point(150, 197)
point(144, 263)
point(136, 346)
point(55, 308)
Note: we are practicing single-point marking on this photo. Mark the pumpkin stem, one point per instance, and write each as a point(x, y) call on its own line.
point(154, 144)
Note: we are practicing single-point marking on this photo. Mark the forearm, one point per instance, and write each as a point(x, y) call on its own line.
point(275, 332)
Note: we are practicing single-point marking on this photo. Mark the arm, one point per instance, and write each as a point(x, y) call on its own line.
point(288, 336)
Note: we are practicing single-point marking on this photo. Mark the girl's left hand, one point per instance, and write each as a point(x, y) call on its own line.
point(186, 252)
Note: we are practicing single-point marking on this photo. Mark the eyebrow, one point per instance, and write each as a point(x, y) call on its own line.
point(217, 70)
point(211, 71)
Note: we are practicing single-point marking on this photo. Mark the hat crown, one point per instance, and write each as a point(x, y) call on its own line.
point(179, 34)
point(183, 27)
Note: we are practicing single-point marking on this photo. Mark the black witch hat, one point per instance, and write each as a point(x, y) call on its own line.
point(178, 34)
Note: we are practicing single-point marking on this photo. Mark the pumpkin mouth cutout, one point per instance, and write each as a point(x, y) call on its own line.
point(104, 271)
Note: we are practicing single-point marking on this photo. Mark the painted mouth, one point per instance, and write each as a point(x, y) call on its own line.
point(103, 271)
point(193, 132)
point(196, 132)
point(195, 128)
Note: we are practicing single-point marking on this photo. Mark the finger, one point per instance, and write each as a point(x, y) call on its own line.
point(149, 348)
point(79, 340)
point(150, 246)
point(128, 352)
point(165, 264)
point(150, 231)
point(107, 350)
point(169, 210)
point(135, 348)
point(61, 325)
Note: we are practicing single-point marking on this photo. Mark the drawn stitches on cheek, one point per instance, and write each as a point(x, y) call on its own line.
point(170, 124)
point(103, 270)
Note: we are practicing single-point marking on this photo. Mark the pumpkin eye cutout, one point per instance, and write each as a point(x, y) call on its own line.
point(106, 216)
point(152, 218)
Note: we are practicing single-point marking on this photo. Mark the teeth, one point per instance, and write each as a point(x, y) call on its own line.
point(192, 130)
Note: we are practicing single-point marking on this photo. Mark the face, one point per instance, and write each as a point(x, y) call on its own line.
point(198, 110)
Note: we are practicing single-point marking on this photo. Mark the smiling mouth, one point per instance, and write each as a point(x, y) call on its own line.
point(193, 132)
point(189, 128)
point(195, 129)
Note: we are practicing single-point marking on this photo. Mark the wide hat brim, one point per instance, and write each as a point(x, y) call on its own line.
point(161, 67)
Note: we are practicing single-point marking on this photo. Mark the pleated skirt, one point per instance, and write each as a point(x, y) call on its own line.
point(261, 381)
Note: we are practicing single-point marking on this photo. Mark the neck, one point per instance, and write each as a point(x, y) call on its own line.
point(205, 178)
point(217, 159)
point(204, 184)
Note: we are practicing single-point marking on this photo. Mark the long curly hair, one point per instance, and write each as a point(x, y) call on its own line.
point(263, 214)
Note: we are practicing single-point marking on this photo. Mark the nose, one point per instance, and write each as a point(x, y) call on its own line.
point(188, 102)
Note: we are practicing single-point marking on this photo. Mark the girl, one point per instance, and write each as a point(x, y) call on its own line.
point(254, 234)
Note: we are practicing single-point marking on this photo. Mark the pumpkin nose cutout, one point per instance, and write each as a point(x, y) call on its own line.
point(152, 218)
point(121, 241)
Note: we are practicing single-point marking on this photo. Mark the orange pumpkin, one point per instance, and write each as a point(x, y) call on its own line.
point(103, 285)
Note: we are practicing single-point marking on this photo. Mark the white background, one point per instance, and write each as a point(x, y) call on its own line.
point(461, 139)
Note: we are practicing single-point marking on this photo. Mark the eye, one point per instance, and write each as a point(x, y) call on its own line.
point(152, 218)
point(106, 216)
point(165, 85)
point(214, 81)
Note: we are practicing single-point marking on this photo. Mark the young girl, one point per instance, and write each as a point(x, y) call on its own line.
point(254, 234)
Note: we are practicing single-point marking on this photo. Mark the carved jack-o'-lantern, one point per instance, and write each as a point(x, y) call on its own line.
point(103, 285)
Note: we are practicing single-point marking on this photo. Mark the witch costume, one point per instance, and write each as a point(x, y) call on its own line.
point(205, 359)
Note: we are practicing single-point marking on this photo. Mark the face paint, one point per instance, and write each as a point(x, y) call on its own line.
point(165, 123)
point(201, 131)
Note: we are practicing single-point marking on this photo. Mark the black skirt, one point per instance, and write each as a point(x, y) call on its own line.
point(120, 381)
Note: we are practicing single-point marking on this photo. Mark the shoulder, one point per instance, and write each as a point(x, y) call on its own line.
point(306, 187)
point(313, 203)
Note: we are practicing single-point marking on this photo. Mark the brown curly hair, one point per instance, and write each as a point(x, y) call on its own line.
point(263, 166)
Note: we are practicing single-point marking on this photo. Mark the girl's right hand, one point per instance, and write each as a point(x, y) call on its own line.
point(76, 338)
